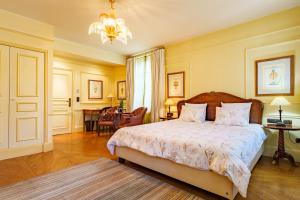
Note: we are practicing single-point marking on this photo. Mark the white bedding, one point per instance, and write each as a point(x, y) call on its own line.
point(226, 150)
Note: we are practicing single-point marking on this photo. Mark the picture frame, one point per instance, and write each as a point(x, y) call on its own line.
point(275, 76)
point(95, 89)
point(176, 85)
point(121, 90)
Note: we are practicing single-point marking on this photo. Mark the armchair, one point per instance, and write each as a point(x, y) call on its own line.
point(107, 119)
point(132, 119)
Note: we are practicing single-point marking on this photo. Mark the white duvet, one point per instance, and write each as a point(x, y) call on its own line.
point(226, 150)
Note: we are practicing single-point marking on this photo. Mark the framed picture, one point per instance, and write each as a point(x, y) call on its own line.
point(175, 85)
point(121, 90)
point(274, 76)
point(95, 89)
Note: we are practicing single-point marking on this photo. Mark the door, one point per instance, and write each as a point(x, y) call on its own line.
point(4, 95)
point(26, 115)
point(62, 101)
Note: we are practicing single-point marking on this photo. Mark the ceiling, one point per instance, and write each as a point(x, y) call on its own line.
point(152, 22)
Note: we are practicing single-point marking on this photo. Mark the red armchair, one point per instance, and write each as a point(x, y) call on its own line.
point(107, 119)
point(134, 118)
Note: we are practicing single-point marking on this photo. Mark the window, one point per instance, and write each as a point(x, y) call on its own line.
point(142, 82)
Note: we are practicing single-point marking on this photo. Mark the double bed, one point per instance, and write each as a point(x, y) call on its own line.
point(216, 158)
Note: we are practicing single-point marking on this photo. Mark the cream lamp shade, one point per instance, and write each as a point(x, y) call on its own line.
point(169, 102)
point(110, 95)
point(280, 101)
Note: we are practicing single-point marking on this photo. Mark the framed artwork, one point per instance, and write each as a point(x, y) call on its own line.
point(175, 85)
point(95, 89)
point(121, 90)
point(274, 76)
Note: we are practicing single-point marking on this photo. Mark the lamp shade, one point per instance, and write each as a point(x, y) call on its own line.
point(169, 102)
point(110, 95)
point(280, 101)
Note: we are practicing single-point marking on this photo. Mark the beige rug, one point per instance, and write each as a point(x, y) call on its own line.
point(102, 179)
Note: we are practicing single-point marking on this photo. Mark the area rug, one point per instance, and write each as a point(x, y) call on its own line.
point(101, 179)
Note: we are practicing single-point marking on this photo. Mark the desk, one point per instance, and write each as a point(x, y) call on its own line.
point(90, 116)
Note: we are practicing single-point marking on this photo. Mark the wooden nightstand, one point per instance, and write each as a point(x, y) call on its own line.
point(167, 118)
point(281, 153)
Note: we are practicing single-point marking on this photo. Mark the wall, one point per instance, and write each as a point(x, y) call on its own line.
point(82, 72)
point(22, 32)
point(224, 61)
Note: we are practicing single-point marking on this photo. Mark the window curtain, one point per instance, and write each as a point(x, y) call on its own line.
point(129, 83)
point(146, 83)
point(142, 82)
point(158, 84)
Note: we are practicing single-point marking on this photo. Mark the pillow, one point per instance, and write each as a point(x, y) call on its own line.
point(231, 117)
point(245, 107)
point(194, 113)
point(199, 109)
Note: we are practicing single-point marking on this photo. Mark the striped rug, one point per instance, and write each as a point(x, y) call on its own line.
point(101, 179)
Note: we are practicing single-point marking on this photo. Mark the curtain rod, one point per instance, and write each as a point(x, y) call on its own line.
point(144, 52)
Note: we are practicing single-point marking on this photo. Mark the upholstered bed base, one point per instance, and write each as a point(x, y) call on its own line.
point(203, 179)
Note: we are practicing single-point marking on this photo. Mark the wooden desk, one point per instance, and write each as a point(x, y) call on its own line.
point(90, 116)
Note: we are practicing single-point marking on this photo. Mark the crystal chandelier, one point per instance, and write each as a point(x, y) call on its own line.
point(110, 27)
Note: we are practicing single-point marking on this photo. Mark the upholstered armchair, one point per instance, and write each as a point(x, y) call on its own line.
point(107, 119)
point(132, 119)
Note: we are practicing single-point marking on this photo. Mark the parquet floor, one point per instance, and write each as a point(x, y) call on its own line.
point(268, 182)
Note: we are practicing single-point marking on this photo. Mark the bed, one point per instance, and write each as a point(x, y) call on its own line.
point(180, 150)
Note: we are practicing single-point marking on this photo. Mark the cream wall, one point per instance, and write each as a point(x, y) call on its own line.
point(22, 32)
point(82, 72)
point(224, 61)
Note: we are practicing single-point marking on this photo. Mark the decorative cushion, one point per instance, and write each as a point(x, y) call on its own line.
point(243, 107)
point(193, 112)
point(232, 116)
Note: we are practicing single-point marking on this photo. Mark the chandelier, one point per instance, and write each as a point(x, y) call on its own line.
point(109, 27)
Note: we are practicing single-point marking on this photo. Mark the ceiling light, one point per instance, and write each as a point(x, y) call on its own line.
point(109, 27)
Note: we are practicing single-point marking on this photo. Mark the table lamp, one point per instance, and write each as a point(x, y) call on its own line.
point(169, 103)
point(280, 101)
point(110, 96)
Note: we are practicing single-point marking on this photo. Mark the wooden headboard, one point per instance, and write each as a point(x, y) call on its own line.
point(214, 99)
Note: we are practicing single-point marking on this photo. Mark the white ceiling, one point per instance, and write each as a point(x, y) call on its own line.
point(152, 22)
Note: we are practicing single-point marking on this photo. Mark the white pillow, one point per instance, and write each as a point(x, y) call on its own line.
point(231, 117)
point(243, 107)
point(199, 109)
point(237, 105)
point(193, 113)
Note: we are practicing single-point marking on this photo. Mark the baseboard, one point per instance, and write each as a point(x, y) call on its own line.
point(77, 129)
point(20, 151)
point(47, 147)
point(269, 151)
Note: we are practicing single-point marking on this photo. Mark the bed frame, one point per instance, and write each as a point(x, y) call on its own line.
point(207, 180)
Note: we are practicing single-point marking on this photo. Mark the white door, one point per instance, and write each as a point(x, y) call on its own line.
point(26, 115)
point(62, 101)
point(4, 95)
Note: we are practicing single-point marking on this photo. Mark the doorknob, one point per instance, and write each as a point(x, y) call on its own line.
point(70, 102)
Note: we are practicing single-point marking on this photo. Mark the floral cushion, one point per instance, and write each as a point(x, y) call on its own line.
point(193, 113)
point(232, 116)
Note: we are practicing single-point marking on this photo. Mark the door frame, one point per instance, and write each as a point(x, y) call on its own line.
point(46, 88)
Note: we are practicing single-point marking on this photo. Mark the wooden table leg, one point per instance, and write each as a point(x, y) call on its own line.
point(280, 153)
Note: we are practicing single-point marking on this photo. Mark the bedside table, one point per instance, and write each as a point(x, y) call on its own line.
point(281, 153)
point(167, 118)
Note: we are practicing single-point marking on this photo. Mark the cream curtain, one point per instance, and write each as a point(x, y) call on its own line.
point(158, 84)
point(129, 83)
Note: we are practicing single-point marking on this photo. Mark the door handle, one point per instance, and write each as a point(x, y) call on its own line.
point(70, 102)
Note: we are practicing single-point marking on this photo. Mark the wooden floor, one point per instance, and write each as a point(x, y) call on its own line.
point(280, 182)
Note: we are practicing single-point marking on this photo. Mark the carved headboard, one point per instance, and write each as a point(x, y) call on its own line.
point(214, 99)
